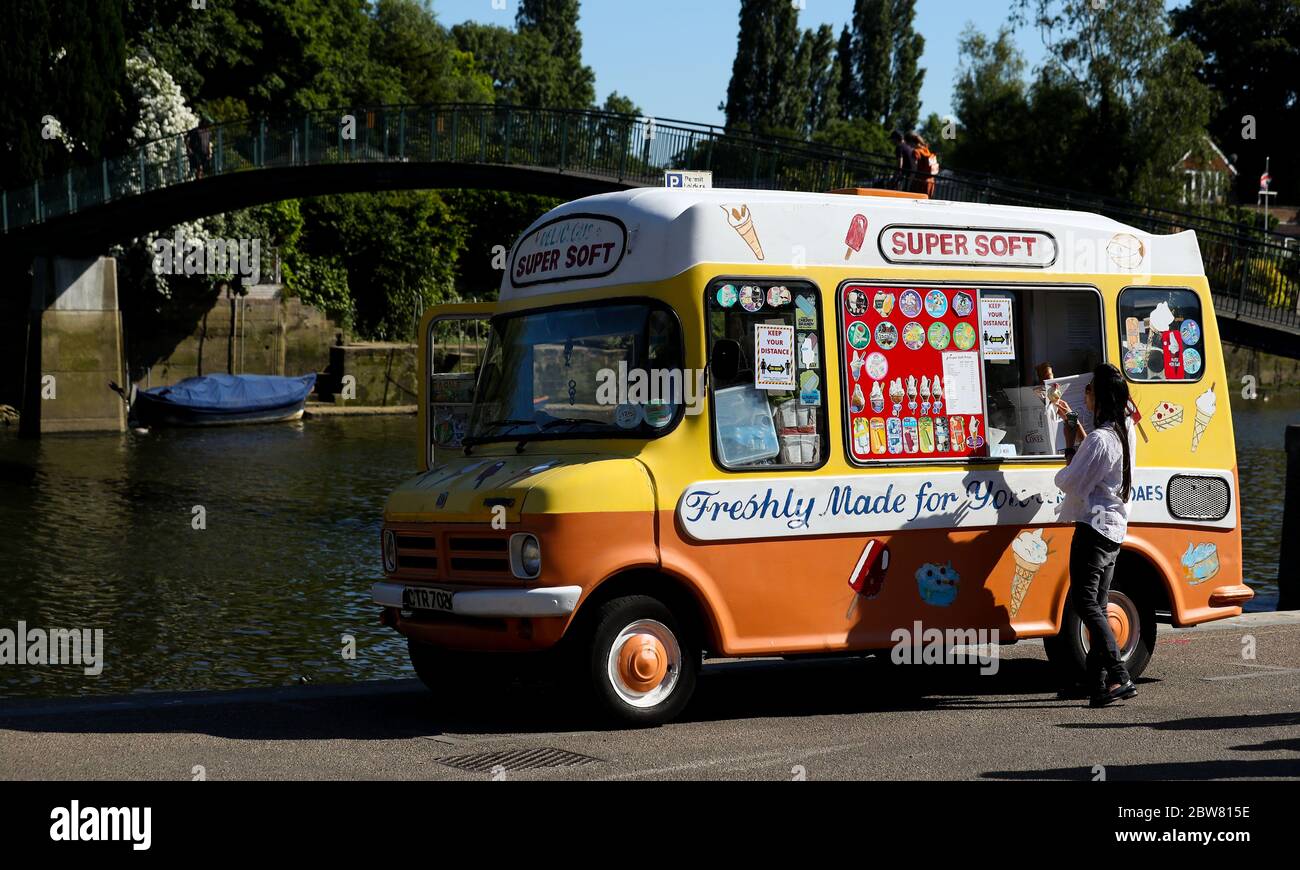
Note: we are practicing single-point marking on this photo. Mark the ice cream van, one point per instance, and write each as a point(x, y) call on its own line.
point(742, 423)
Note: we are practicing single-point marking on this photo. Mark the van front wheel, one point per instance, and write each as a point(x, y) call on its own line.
point(1132, 620)
point(641, 663)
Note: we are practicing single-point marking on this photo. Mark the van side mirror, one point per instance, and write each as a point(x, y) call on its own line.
point(724, 361)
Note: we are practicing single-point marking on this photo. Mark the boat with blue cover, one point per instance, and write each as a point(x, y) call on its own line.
point(223, 400)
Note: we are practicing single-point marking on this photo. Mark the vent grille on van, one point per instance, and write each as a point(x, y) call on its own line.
point(1198, 498)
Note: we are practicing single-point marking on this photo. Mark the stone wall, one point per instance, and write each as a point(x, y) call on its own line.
point(384, 373)
point(262, 333)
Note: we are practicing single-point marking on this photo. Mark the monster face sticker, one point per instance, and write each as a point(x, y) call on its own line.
point(938, 584)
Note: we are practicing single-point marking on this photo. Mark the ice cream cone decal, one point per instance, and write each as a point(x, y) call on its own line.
point(1030, 552)
point(742, 221)
point(1206, 405)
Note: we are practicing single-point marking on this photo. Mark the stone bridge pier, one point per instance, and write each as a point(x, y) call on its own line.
point(74, 348)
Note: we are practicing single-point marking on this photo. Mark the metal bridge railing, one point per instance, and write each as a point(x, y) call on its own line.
point(1252, 276)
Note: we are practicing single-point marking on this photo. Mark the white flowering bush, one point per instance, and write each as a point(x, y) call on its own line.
point(163, 113)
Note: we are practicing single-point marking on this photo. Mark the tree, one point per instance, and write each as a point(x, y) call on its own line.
point(1251, 53)
point(65, 77)
point(884, 54)
point(824, 77)
point(411, 48)
point(556, 22)
point(906, 74)
point(1138, 81)
point(766, 91)
point(620, 105)
point(872, 43)
point(849, 94)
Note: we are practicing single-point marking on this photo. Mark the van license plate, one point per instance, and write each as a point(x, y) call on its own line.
point(425, 598)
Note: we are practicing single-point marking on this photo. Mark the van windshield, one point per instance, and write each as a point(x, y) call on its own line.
point(576, 371)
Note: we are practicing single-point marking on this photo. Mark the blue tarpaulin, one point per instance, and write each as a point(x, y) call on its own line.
point(235, 393)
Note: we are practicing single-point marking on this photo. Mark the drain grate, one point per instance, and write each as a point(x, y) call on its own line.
point(517, 759)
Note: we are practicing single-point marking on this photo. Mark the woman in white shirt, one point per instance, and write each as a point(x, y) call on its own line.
point(1098, 481)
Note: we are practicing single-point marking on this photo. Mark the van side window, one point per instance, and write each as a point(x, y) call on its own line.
point(1055, 342)
point(1160, 334)
point(766, 374)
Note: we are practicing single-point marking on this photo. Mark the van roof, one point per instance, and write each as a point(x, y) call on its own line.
point(651, 234)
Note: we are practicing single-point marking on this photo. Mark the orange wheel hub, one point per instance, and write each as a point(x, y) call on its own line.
point(1119, 623)
point(642, 662)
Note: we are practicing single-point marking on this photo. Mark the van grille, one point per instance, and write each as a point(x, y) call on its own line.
point(478, 555)
point(432, 555)
point(1192, 497)
point(417, 554)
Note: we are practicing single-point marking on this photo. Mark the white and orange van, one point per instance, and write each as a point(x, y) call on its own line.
point(750, 423)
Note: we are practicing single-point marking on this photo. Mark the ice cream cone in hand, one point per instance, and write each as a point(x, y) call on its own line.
point(742, 221)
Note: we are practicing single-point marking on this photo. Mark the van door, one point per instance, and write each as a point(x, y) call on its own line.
point(453, 339)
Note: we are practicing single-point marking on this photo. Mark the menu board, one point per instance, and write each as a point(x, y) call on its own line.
point(912, 373)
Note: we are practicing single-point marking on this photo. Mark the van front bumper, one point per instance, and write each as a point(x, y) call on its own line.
point(546, 601)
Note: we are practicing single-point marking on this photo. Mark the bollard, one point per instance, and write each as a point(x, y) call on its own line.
point(1288, 572)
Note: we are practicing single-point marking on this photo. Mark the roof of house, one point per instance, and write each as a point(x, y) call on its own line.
point(650, 234)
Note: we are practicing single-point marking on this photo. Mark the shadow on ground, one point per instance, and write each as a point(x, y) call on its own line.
point(398, 709)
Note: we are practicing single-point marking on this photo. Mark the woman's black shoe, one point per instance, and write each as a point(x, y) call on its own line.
point(1122, 692)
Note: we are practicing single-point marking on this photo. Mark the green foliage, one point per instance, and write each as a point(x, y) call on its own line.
point(399, 250)
point(767, 90)
point(860, 135)
point(883, 54)
point(1251, 54)
point(323, 282)
point(64, 59)
point(620, 104)
point(1112, 110)
point(539, 63)
point(491, 221)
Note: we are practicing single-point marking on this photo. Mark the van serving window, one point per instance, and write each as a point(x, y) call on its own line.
point(766, 374)
point(955, 372)
point(1160, 335)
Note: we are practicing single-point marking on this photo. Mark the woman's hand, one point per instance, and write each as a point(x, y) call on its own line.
point(1073, 434)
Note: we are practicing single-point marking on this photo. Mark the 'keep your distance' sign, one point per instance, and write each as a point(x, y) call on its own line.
point(569, 247)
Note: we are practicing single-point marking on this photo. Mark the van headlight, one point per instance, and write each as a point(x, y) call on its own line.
point(525, 556)
point(390, 551)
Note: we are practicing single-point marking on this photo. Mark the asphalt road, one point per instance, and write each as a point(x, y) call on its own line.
point(1203, 712)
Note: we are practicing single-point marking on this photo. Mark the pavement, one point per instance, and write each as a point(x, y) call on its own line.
point(1204, 711)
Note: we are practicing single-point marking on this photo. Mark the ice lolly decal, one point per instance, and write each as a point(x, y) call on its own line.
point(857, 232)
point(740, 219)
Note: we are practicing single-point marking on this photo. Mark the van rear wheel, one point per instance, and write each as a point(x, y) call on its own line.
point(641, 663)
point(1132, 619)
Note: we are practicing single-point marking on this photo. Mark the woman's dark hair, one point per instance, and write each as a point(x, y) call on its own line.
point(1110, 400)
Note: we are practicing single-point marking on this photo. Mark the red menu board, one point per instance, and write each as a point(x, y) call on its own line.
point(912, 375)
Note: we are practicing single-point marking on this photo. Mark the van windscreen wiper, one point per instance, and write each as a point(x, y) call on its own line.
point(509, 424)
point(558, 421)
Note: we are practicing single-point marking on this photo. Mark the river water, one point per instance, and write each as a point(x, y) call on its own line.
point(98, 531)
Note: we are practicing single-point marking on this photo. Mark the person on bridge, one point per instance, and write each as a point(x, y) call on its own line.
point(1098, 482)
point(906, 161)
point(927, 164)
